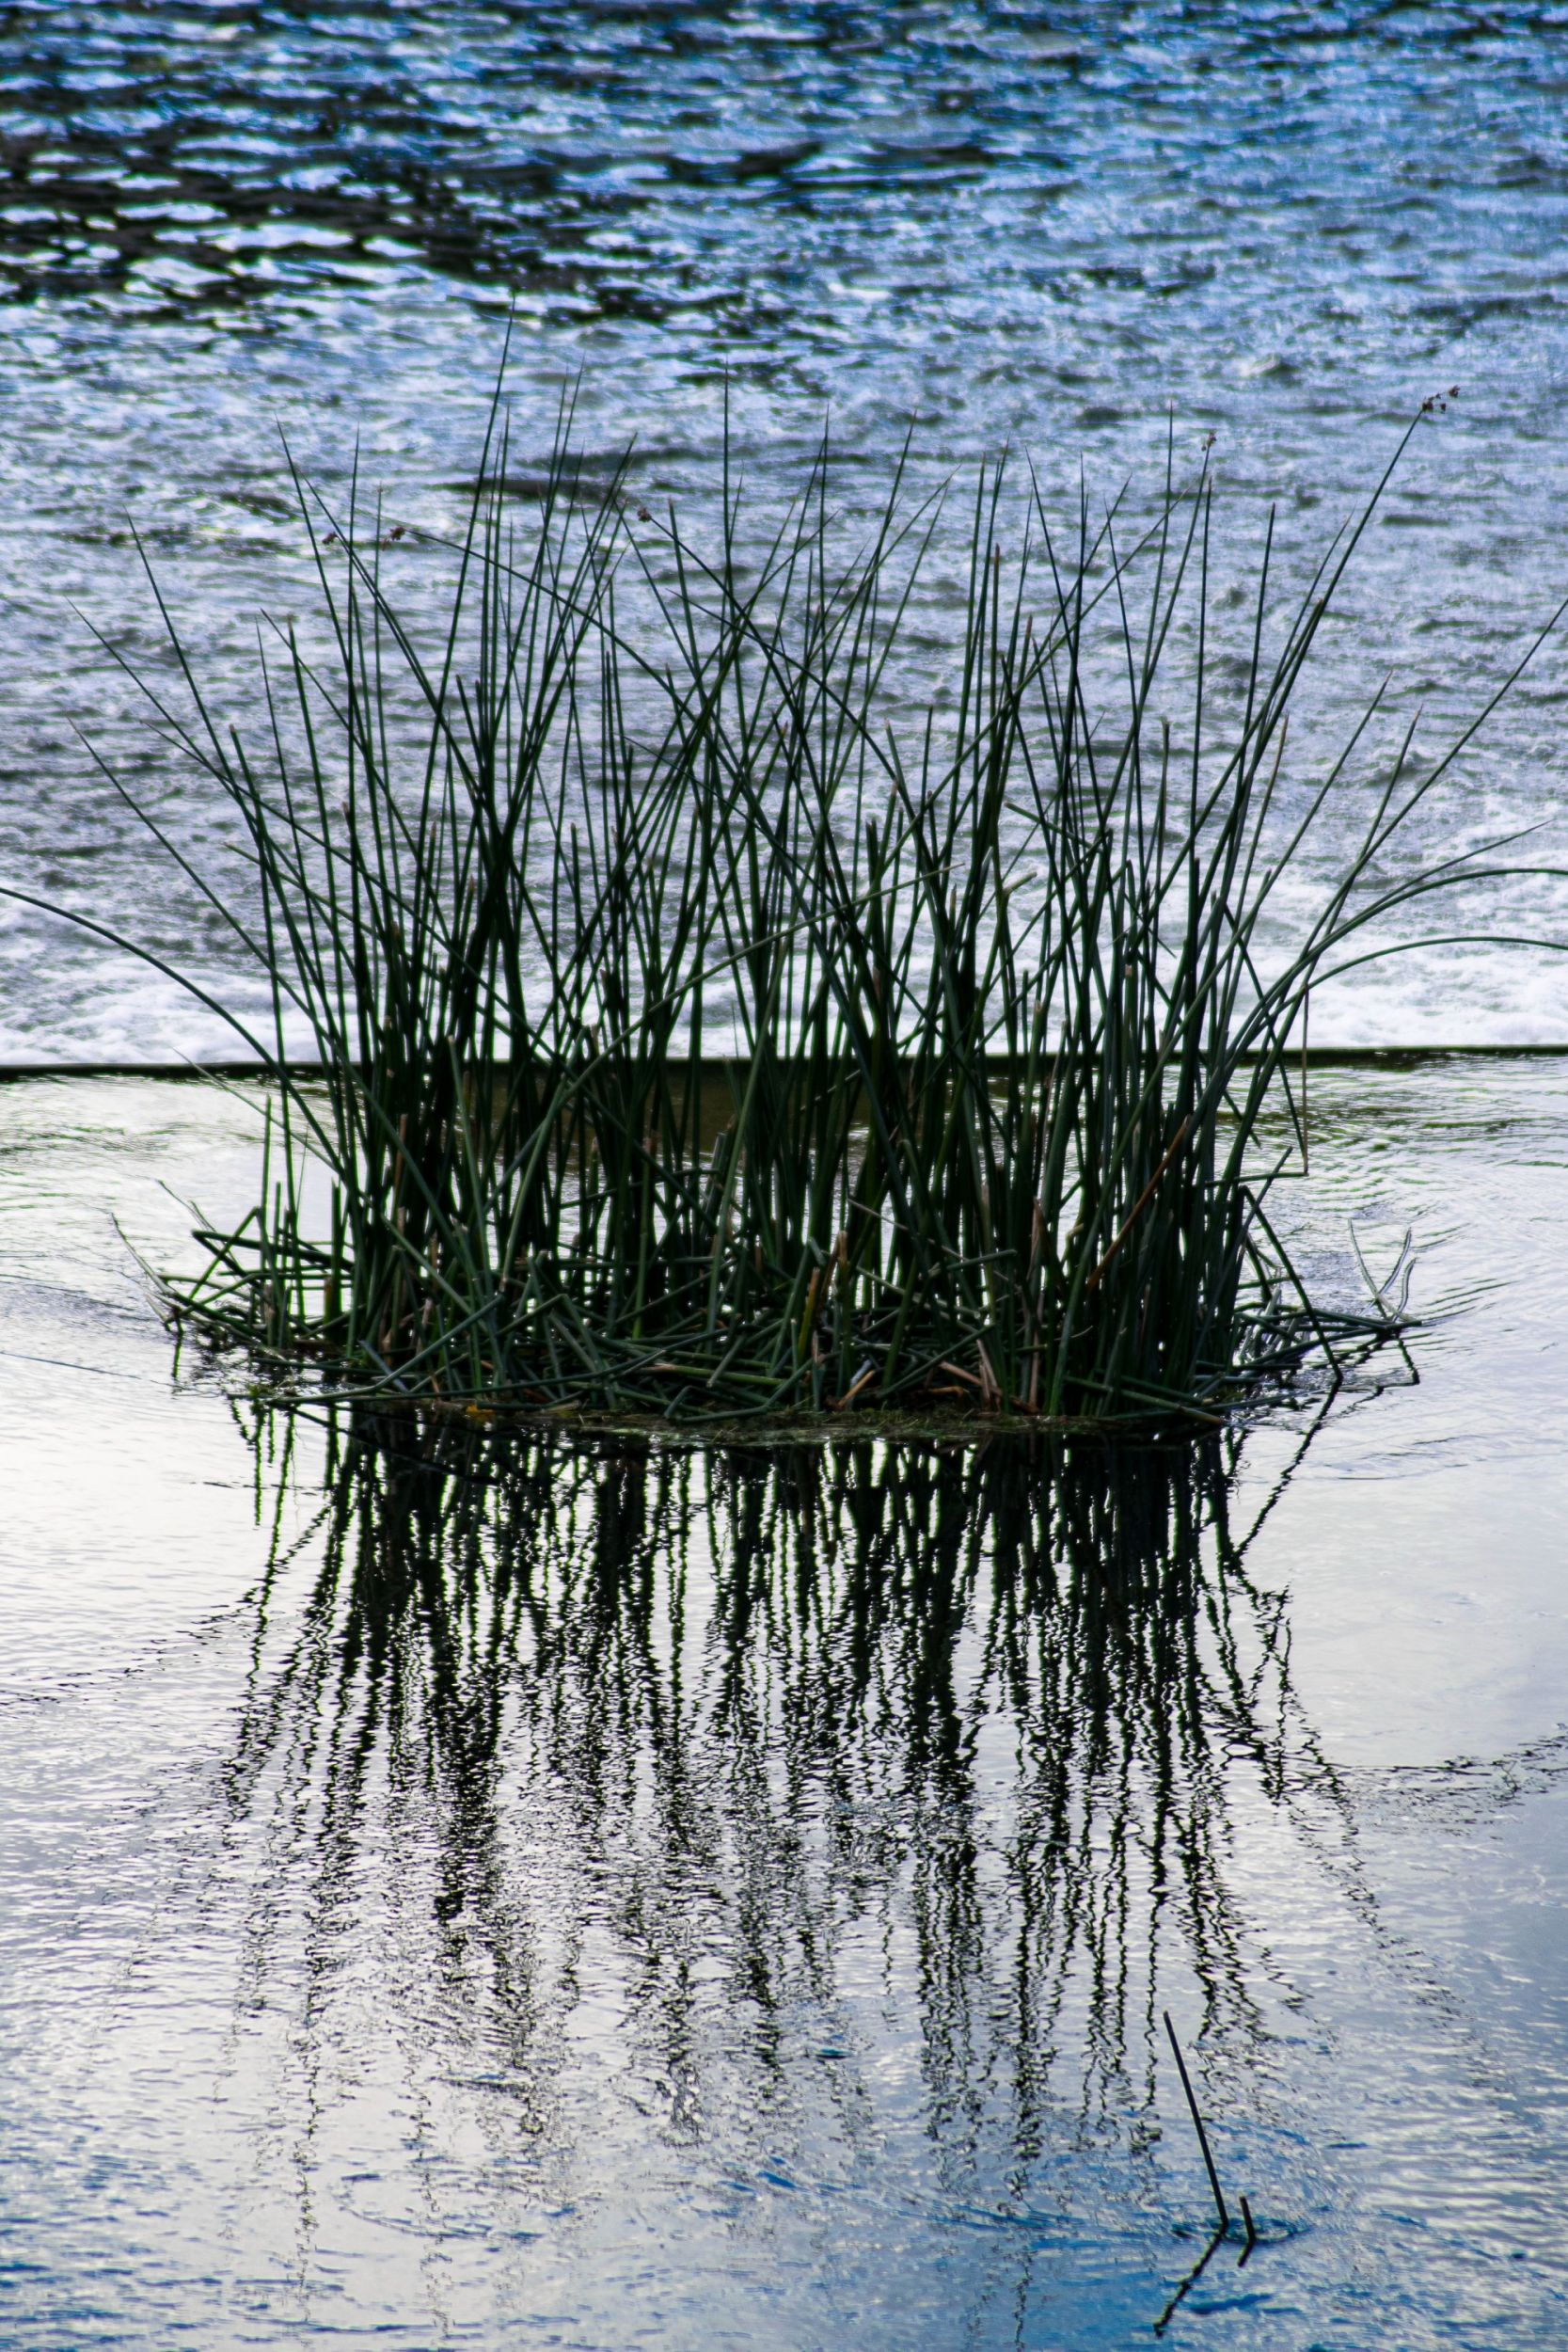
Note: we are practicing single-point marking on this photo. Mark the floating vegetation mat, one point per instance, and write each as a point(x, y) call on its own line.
point(722, 1007)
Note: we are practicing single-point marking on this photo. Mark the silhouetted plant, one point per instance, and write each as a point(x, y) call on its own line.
point(697, 1033)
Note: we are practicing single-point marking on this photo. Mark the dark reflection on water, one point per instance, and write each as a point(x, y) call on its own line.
point(199, 159)
point(613, 159)
point(990, 1707)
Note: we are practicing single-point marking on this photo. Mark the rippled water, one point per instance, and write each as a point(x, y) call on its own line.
point(711, 1898)
point(722, 1900)
point(1282, 225)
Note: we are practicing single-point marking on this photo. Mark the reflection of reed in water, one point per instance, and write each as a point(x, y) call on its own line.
point(737, 1748)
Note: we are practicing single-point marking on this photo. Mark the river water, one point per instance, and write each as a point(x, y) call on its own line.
point(1072, 228)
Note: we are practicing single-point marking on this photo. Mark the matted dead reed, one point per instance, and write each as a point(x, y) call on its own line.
point(701, 1030)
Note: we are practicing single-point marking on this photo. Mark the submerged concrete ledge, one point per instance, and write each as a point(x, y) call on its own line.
point(716, 1067)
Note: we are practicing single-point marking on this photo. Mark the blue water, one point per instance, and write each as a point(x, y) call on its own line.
point(703, 1899)
point(722, 1898)
point(1072, 227)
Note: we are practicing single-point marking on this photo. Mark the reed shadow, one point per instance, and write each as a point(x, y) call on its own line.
point(690, 1733)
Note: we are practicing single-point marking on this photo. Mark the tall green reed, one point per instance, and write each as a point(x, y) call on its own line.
point(668, 1017)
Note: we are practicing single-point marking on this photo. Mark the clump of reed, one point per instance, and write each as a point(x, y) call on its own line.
point(670, 1017)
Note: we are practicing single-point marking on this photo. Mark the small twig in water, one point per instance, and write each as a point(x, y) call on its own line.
point(1220, 2206)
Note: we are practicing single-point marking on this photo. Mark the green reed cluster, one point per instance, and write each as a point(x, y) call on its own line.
point(677, 1013)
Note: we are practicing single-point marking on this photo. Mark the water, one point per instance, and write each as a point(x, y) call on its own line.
point(683, 1899)
point(1284, 226)
point(730, 1900)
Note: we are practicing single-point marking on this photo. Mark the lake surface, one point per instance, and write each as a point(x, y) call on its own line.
point(1284, 226)
point(586, 1897)
point(721, 1898)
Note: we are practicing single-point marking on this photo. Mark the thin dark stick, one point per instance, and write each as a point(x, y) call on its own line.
point(1251, 2231)
point(1306, 1148)
point(1197, 2125)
